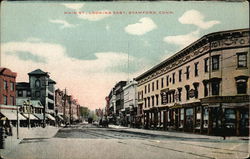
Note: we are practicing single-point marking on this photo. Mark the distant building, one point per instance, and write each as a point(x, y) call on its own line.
point(203, 88)
point(7, 86)
point(42, 88)
point(130, 103)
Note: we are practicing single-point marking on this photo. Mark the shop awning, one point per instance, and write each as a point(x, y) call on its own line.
point(39, 116)
point(60, 117)
point(31, 116)
point(50, 117)
point(12, 115)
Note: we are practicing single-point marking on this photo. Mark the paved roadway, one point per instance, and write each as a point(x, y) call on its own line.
point(91, 142)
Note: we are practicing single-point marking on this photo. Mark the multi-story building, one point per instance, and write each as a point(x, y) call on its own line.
point(42, 88)
point(130, 103)
point(7, 86)
point(202, 88)
point(119, 102)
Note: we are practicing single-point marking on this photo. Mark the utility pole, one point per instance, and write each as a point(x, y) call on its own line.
point(64, 104)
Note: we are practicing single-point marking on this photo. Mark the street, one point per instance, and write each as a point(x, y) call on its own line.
point(87, 141)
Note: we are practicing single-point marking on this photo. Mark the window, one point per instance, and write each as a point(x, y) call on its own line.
point(153, 86)
point(215, 62)
point(179, 93)
point(148, 88)
point(19, 93)
point(187, 91)
point(196, 69)
point(145, 89)
point(153, 100)
point(12, 101)
point(241, 84)
point(196, 86)
point(242, 59)
point(173, 76)
point(148, 101)
point(157, 84)
point(11, 86)
point(215, 88)
point(5, 100)
point(206, 64)
point(180, 73)
point(167, 80)
point(37, 83)
point(187, 71)
point(145, 102)
point(162, 82)
point(37, 94)
point(141, 94)
point(157, 99)
point(205, 89)
point(28, 94)
point(5, 85)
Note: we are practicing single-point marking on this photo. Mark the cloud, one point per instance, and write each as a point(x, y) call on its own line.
point(88, 80)
point(99, 15)
point(142, 27)
point(196, 18)
point(64, 24)
point(74, 6)
point(182, 40)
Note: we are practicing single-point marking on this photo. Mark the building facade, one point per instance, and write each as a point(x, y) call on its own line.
point(7, 86)
point(42, 88)
point(203, 88)
point(130, 103)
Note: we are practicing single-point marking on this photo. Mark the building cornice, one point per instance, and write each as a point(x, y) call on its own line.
point(210, 42)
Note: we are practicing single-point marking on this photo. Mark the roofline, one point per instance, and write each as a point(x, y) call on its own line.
point(184, 49)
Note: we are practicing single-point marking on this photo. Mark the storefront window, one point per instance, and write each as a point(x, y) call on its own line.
point(230, 118)
point(205, 118)
point(198, 117)
point(182, 118)
point(189, 118)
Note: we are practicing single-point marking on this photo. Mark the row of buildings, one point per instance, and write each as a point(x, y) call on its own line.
point(36, 102)
point(204, 88)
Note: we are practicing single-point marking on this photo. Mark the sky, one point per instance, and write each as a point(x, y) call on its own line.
point(106, 42)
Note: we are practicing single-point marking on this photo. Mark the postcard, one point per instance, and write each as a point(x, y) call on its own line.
point(124, 80)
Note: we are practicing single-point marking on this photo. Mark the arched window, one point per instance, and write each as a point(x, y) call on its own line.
point(241, 84)
point(37, 83)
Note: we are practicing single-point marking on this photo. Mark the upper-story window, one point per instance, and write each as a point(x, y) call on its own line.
point(153, 86)
point(167, 80)
point(28, 94)
point(242, 59)
point(20, 93)
point(157, 99)
point(196, 90)
point(206, 64)
point(157, 84)
point(145, 102)
point(5, 83)
point(180, 74)
point(162, 82)
point(148, 87)
point(179, 93)
point(148, 101)
point(141, 94)
point(153, 100)
point(173, 77)
point(215, 87)
point(206, 85)
point(215, 62)
point(187, 92)
point(12, 86)
point(5, 100)
point(12, 100)
point(196, 71)
point(37, 83)
point(187, 71)
point(241, 84)
point(37, 94)
point(145, 89)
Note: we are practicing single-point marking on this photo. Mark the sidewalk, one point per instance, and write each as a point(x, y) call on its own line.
point(11, 141)
point(177, 134)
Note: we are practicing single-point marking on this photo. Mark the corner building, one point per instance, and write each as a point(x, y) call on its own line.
point(203, 88)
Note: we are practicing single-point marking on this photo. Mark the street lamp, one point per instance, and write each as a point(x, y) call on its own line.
point(27, 104)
